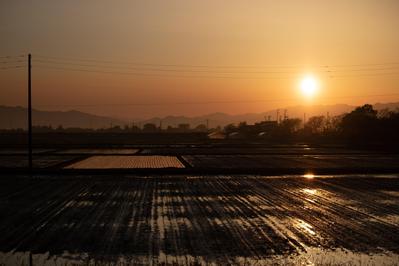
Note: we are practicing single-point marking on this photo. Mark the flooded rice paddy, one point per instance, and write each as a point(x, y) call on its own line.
point(206, 160)
point(185, 220)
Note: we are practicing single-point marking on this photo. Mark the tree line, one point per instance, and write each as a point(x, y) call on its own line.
point(364, 124)
point(146, 128)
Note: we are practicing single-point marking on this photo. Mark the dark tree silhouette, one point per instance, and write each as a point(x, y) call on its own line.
point(315, 124)
point(149, 127)
point(360, 124)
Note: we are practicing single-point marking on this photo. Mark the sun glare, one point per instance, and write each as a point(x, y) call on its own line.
point(308, 176)
point(309, 86)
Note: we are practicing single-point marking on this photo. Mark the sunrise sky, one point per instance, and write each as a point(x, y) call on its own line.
point(138, 59)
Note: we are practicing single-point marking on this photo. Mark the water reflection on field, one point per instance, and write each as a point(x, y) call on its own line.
point(312, 256)
point(185, 220)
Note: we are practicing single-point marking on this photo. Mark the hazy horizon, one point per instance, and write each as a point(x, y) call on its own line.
point(333, 109)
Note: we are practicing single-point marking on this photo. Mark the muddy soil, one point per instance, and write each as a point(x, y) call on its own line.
point(199, 219)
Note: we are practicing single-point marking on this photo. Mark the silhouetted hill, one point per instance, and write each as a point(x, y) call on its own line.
point(16, 117)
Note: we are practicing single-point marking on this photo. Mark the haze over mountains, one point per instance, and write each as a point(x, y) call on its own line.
point(16, 117)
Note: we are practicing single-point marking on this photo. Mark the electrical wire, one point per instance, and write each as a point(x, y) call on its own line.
point(142, 74)
point(49, 62)
point(12, 56)
point(11, 67)
point(162, 69)
point(206, 66)
point(8, 62)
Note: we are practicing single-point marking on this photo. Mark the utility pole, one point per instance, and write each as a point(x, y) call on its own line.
point(328, 121)
point(30, 113)
point(277, 115)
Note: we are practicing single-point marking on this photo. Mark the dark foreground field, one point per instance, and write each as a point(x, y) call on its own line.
point(186, 220)
point(199, 159)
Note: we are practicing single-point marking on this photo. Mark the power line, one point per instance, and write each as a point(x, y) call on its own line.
point(11, 67)
point(366, 75)
point(12, 56)
point(164, 70)
point(366, 64)
point(207, 66)
point(153, 64)
point(50, 62)
point(363, 69)
point(141, 74)
point(327, 69)
point(7, 62)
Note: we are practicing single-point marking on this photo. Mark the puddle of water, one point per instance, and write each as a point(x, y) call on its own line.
point(304, 227)
point(310, 191)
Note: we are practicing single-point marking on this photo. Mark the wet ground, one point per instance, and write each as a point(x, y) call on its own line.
point(205, 159)
point(238, 219)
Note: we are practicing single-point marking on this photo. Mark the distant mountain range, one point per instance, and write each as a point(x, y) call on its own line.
point(16, 117)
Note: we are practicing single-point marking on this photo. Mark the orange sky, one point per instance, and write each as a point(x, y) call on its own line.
point(228, 56)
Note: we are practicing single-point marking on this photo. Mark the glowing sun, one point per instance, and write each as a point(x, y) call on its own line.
point(309, 86)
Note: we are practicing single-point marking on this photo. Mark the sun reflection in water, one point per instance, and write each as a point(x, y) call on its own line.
point(305, 227)
point(308, 176)
point(310, 191)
